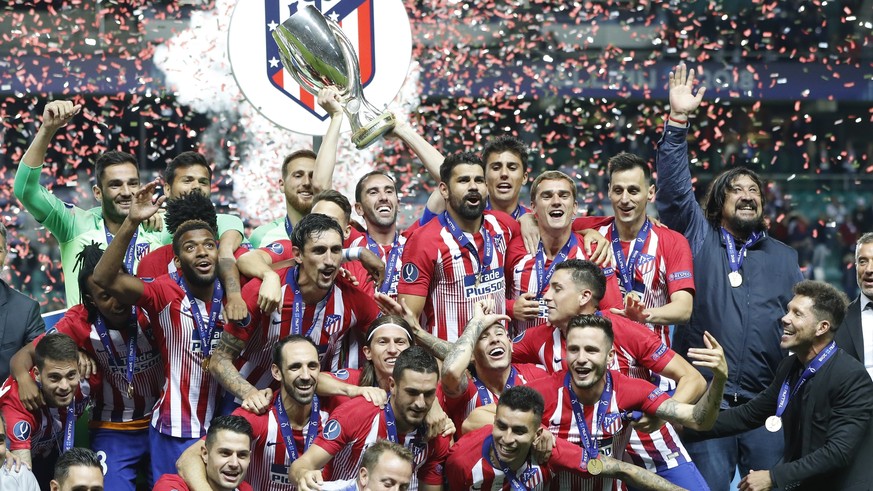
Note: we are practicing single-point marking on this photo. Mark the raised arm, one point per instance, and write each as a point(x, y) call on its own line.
point(702, 415)
point(228, 273)
point(454, 373)
point(108, 274)
point(675, 200)
point(35, 198)
point(20, 366)
point(325, 162)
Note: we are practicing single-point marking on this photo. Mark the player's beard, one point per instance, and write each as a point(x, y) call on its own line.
point(468, 212)
point(193, 277)
point(304, 207)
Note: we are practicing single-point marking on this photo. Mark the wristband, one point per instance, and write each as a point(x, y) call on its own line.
point(352, 254)
point(678, 121)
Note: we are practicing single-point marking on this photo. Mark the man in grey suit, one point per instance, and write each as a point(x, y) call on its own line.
point(20, 322)
point(855, 336)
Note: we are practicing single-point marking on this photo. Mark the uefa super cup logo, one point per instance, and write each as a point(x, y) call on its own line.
point(377, 36)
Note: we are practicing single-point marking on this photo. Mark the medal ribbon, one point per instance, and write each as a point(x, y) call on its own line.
point(103, 334)
point(299, 306)
point(516, 213)
point(288, 432)
point(515, 483)
point(458, 234)
point(70, 426)
point(543, 276)
point(484, 396)
point(735, 259)
point(390, 263)
point(288, 227)
point(808, 373)
point(130, 254)
point(203, 332)
point(627, 267)
point(589, 443)
point(391, 428)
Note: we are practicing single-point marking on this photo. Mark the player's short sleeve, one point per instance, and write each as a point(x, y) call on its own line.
point(20, 423)
point(612, 296)
point(226, 223)
point(279, 250)
point(431, 472)
point(594, 223)
point(244, 329)
point(565, 456)
point(343, 427)
point(157, 294)
point(74, 324)
point(680, 265)
point(639, 394)
point(526, 346)
point(155, 263)
point(548, 387)
point(418, 263)
point(644, 345)
point(365, 309)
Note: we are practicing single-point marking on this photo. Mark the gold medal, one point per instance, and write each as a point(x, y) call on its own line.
point(595, 467)
point(130, 391)
point(205, 364)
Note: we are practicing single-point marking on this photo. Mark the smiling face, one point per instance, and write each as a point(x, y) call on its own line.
point(412, 396)
point(589, 353)
point(299, 371)
point(493, 349)
point(554, 204)
point(864, 266)
point(227, 460)
point(297, 184)
point(630, 192)
point(742, 212)
point(59, 380)
point(382, 350)
point(465, 192)
point(116, 190)
point(514, 431)
point(320, 259)
point(800, 325)
point(378, 203)
point(505, 175)
point(198, 256)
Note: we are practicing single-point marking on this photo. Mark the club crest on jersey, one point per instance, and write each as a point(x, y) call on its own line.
point(333, 323)
point(142, 250)
point(331, 430)
point(379, 33)
point(21, 431)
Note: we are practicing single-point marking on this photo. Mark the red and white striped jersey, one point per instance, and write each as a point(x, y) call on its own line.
point(367, 283)
point(523, 278)
point(638, 351)
point(458, 408)
point(327, 324)
point(189, 395)
point(627, 394)
point(357, 424)
point(437, 267)
point(42, 431)
point(468, 468)
point(664, 267)
point(111, 403)
point(268, 469)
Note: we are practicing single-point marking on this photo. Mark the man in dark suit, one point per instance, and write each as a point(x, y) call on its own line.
point(821, 395)
point(855, 335)
point(20, 322)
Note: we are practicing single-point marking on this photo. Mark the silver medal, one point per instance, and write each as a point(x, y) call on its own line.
point(735, 278)
point(773, 424)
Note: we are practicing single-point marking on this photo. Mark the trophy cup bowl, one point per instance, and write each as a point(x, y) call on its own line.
point(316, 52)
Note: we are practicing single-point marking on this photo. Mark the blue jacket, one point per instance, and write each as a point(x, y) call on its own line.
point(744, 320)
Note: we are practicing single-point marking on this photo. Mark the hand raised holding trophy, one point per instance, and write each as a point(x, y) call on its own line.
point(316, 52)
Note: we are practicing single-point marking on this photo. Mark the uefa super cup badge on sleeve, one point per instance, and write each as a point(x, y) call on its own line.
point(317, 53)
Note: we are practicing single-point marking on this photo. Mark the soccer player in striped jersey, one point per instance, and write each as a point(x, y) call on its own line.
point(500, 457)
point(587, 404)
point(486, 343)
point(38, 437)
point(130, 368)
point(186, 312)
point(314, 304)
point(553, 200)
point(295, 418)
point(457, 260)
point(357, 424)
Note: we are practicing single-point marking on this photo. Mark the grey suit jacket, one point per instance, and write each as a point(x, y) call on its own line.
point(20, 323)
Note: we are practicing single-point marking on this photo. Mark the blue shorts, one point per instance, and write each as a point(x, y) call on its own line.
point(122, 454)
point(166, 450)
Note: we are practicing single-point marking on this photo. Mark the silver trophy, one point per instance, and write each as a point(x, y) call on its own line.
point(316, 52)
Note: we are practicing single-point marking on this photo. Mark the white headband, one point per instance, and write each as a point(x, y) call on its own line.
point(388, 324)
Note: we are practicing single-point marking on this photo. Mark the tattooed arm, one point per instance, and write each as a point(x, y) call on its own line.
point(637, 477)
point(221, 367)
point(700, 416)
point(454, 374)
